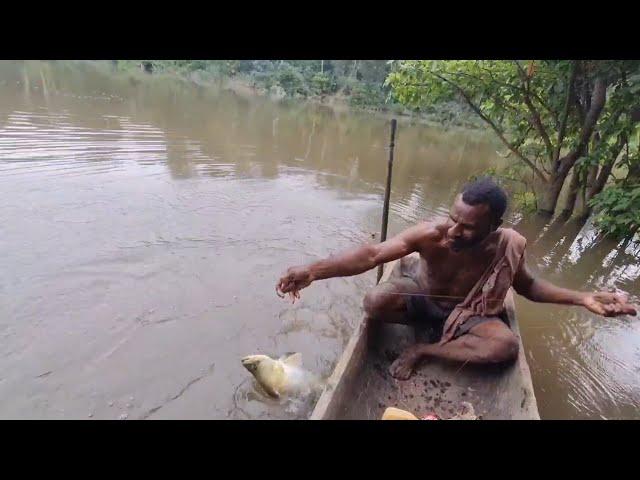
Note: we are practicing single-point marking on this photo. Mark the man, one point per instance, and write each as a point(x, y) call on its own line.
point(466, 265)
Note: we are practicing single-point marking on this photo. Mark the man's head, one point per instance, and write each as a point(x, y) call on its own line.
point(476, 212)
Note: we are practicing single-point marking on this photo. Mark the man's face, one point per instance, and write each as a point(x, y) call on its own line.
point(468, 225)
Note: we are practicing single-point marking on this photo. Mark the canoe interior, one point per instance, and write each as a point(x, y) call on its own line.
point(360, 387)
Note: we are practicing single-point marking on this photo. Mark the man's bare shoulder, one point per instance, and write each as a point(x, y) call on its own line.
point(429, 233)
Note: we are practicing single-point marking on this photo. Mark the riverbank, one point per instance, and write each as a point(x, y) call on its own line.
point(288, 84)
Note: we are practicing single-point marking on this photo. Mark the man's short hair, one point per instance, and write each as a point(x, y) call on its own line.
point(485, 190)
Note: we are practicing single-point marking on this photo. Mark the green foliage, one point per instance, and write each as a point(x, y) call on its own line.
point(365, 95)
point(323, 84)
point(538, 110)
point(618, 206)
point(499, 91)
point(292, 81)
point(184, 67)
point(525, 201)
point(618, 210)
point(360, 82)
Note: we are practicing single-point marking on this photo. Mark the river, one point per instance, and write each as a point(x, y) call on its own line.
point(145, 220)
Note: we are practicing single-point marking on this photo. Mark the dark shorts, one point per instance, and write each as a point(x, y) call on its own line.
point(428, 318)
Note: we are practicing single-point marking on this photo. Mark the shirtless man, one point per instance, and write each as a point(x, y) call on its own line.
point(454, 254)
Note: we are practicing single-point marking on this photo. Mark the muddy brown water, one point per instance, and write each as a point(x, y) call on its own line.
point(144, 222)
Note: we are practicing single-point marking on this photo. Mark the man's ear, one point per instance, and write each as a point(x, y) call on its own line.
point(496, 224)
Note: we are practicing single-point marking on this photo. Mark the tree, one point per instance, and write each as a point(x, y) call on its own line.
point(551, 115)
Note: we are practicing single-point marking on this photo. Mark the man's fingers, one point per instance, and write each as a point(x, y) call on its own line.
point(609, 297)
point(614, 309)
point(624, 309)
point(621, 297)
point(610, 304)
point(283, 288)
point(294, 295)
point(628, 310)
point(285, 285)
point(598, 308)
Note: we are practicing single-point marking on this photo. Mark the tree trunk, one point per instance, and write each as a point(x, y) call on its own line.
point(607, 167)
point(550, 193)
point(574, 186)
point(588, 193)
point(547, 205)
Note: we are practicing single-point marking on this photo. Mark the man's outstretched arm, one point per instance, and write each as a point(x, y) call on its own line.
point(538, 290)
point(355, 261)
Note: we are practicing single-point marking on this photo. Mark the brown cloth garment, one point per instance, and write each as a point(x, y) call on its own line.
point(486, 298)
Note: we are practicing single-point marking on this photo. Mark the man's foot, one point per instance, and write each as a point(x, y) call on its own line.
point(402, 368)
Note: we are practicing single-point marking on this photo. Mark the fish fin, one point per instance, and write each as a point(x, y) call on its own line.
point(294, 359)
point(272, 392)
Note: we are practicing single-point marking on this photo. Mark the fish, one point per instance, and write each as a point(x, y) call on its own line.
point(282, 377)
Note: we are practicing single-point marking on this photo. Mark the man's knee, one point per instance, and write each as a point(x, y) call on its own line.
point(378, 301)
point(504, 347)
point(373, 303)
point(497, 343)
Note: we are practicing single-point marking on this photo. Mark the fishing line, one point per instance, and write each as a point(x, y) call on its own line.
point(434, 296)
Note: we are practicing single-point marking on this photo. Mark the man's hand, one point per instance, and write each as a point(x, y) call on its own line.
point(608, 304)
point(294, 280)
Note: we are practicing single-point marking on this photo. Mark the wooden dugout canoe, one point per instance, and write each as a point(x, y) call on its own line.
point(360, 387)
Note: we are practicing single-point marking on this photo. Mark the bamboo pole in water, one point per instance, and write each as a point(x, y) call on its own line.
point(387, 193)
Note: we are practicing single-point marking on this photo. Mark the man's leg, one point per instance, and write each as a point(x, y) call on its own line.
point(489, 342)
point(386, 303)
